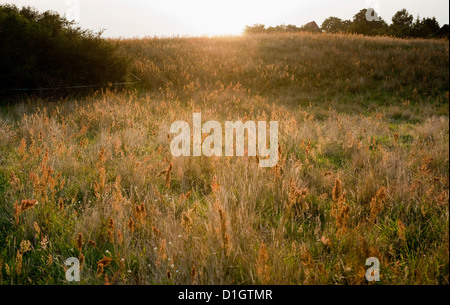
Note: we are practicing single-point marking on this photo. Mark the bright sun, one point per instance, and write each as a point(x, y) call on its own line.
point(206, 17)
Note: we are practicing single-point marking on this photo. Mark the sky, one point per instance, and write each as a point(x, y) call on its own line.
point(140, 18)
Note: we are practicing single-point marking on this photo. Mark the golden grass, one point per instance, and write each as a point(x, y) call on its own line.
point(354, 179)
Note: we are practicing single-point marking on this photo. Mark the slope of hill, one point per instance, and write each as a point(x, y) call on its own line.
point(319, 67)
point(363, 169)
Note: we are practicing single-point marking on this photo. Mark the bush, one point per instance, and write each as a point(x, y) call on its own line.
point(42, 50)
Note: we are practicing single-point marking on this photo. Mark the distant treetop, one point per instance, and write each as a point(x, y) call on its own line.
point(366, 22)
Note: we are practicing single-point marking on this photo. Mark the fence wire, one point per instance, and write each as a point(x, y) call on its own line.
point(139, 81)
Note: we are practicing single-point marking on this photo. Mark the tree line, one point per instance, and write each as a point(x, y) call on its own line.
point(367, 22)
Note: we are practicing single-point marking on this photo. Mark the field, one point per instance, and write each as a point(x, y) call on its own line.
point(363, 168)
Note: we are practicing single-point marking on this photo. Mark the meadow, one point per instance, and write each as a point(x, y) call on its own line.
point(363, 168)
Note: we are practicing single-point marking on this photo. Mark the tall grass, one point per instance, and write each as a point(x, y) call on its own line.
point(363, 168)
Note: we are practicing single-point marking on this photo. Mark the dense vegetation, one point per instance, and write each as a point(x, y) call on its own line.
point(45, 50)
point(363, 172)
point(366, 22)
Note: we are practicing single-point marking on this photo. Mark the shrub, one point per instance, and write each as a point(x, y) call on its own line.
point(41, 50)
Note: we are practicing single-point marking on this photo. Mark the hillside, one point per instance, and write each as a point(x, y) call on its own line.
point(314, 67)
point(363, 168)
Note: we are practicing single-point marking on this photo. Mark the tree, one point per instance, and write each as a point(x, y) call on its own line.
point(366, 22)
point(368, 26)
point(402, 24)
point(290, 28)
point(425, 27)
point(255, 29)
point(335, 25)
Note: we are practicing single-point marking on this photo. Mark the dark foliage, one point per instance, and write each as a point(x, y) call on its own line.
point(366, 22)
point(261, 28)
point(336, 25)
point(43, 50)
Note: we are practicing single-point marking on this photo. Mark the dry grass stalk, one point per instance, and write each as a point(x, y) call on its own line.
point(377, 204)
point(102, 264)
point(263, 270)
point(296, 199)
point(79, 242)
point(25, 205)
point(340, 209)
point(225, 237)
